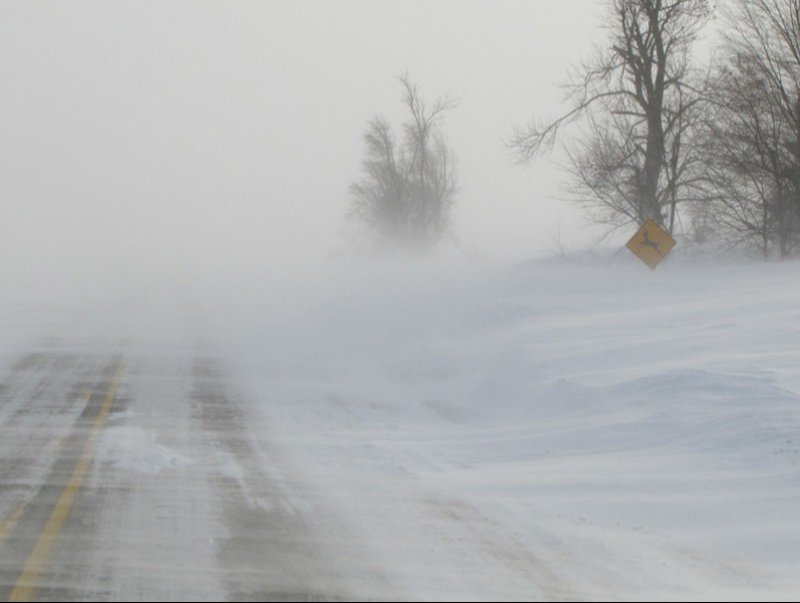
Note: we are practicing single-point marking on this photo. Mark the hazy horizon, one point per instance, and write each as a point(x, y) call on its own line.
point(168, 139)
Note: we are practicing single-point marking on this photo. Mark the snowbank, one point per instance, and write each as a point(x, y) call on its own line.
point(586, 429)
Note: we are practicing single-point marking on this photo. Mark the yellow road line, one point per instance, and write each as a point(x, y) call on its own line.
point(8, 524)
point(26, 585)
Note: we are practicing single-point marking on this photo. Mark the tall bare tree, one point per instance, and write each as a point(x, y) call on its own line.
point(640, 101)
point(752, 143)
point(407, 191)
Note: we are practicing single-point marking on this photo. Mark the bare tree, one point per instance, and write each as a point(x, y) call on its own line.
point(429, 163)
point(407, 192)
point(636, 160)
point(741, 163)
point(378, 200)
point(752, 144)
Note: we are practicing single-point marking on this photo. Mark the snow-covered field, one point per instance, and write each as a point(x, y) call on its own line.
point(582, 429)
point(585, 429)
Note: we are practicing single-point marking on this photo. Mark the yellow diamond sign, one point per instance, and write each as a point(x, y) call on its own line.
point(651, 244)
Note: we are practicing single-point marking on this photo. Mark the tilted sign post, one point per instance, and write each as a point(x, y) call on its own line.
point(651, 244)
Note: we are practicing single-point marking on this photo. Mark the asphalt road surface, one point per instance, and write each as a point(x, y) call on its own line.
point(132, 477)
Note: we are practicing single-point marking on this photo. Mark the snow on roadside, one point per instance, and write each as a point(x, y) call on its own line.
point(552, 430)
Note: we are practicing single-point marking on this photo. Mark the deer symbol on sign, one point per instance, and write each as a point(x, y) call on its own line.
point(648, 243)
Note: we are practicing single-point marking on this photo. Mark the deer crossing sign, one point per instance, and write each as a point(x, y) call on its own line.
point(651, 244)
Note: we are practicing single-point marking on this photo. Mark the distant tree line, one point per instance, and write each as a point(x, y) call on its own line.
point(705, 151)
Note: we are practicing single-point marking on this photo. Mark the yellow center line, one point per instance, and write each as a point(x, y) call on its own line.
point(26, 585)
point(8, 523)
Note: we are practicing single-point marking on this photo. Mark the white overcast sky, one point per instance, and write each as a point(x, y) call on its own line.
point(221, 134)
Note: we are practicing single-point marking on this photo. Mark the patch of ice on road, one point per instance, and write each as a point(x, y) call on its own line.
point(135, 449)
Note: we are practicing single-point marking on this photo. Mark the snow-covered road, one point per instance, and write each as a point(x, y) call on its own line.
point(131, 477)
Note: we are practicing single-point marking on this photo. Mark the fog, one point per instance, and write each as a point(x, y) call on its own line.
point(149, 143)
point(207, 392)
